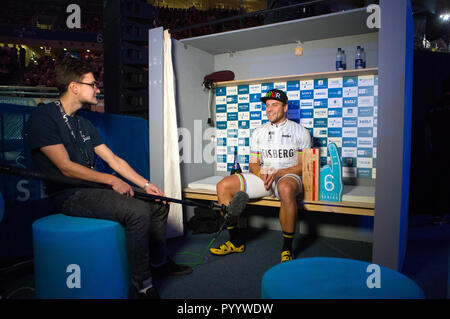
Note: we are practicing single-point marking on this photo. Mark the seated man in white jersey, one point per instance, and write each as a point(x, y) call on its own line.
point(275, 168)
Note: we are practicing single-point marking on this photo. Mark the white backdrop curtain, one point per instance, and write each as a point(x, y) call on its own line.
point(172, 179)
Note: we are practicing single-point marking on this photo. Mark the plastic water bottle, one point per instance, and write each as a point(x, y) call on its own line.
point(344, 60)
point(363, 56)
point(358, 58)
point(339, 64)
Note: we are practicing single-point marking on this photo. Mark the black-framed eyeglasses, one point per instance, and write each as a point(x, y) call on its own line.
point(93, 85)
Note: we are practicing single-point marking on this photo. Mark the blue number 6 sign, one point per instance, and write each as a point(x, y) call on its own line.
point(331, 185)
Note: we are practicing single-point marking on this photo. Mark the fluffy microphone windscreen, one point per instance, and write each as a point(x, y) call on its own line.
point(238, 203)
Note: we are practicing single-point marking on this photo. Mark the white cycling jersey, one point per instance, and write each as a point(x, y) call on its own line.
point(278, 146)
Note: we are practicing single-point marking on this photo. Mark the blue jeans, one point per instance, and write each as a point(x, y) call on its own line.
point(144, 222)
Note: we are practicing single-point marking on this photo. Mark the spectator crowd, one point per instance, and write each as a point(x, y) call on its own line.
point(174, 18)
point(40, 73)
point(14, 72)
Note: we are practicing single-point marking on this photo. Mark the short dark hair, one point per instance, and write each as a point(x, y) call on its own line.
point(70, 70)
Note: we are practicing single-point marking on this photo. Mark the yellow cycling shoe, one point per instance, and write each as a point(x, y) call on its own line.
point(286, 256)
point(226, 249)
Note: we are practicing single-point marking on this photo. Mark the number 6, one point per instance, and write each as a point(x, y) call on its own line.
point(329, 185)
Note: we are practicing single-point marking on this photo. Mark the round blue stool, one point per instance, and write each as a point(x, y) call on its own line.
point(336, 278)
point(82, 258)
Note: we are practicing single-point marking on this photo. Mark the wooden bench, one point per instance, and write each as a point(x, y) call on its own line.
point(364, 207)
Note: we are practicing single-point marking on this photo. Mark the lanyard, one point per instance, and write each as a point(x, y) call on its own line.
point(82, 148)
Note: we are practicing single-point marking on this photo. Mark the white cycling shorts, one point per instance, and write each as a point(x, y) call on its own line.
point(254, 186)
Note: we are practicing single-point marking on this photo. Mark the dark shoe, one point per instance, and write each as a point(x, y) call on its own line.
point(171, 268)
point(150, 293)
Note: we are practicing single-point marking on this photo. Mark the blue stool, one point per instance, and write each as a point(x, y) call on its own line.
point(335, 278)
point(82, 258)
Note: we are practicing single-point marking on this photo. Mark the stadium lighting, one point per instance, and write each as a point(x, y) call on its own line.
point(445, 17)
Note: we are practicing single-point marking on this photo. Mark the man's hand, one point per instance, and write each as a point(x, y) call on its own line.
point(121, 187)
point(268, 175)
point(153, 190)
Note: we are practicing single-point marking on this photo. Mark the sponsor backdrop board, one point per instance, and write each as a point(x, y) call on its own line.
point(342, 110)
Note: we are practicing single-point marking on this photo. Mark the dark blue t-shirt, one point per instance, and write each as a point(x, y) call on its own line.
point(46, 127)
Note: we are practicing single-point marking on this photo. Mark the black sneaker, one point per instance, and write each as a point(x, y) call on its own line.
point(150, 293)
point(171, 268)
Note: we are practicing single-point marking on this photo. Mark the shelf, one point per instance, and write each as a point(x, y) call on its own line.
point(297, 77)
point(345, 23)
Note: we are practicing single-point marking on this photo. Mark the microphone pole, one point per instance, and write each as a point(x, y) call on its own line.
point(234, 209)
point(226, 217)
point(75, 182)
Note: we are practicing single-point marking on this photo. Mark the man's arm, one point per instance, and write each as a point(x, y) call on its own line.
point(124, 169)
point(255, 166)
point(59, 156)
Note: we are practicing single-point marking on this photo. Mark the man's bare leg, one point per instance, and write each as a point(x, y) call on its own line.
point(288, 189)
point(226, 189)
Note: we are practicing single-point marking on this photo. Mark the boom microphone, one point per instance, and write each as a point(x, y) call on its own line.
point(234, 209)
point(237, 205)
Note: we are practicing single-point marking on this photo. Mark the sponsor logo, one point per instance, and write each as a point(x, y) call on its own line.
point(350, 122)
point(350, 101)
point(221, 108)
point(243, 98)
point(255, 88)
point(307, 85)
point(278, 153)
point(307, 95)
point(306, 103)
point(231, 90)
point(243, 89)
point(266, 87)
point(321, 83)
point(321, 94)
point(220, 91)
point(232, 99)
point(293, 86)
point(221, 100)
point(255, 115)
point(350, 81)
point(232, 116)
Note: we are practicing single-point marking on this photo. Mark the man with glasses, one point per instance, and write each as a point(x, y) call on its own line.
point(64, 143)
